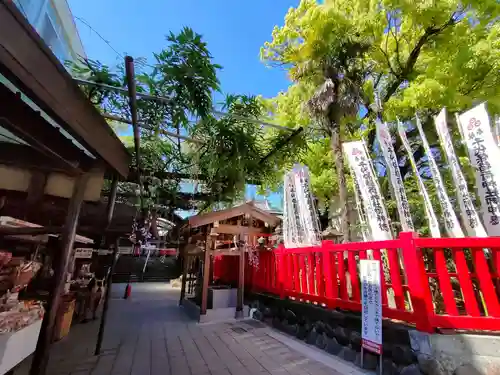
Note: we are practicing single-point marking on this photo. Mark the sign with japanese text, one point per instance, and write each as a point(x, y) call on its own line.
point(373, 203)
point(83, 253)
point(301, 226)
point(371, 304)
point(449, 217)
point(391, 161)
point(429, 210)
point(470, 217)
point(483, 154)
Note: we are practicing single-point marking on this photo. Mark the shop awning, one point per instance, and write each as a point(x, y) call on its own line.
point(28, 64)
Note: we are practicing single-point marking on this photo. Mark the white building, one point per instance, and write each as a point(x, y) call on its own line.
point(54, 22)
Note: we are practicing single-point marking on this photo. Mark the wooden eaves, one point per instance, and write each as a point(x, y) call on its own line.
point(29, 64)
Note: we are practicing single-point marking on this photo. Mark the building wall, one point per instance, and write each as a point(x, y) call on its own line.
point(53, 20)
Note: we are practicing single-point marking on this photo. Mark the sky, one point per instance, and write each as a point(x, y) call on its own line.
point(233, 30)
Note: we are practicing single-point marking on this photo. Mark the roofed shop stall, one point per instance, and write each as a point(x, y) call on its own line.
point(55, 149)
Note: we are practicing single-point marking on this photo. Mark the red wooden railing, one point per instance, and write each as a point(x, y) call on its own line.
point(429, 282)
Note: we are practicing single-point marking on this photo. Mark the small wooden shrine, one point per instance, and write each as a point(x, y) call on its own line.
point(216, 255)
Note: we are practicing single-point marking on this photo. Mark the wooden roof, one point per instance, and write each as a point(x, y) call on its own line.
point(246, 208)
point(29, 64)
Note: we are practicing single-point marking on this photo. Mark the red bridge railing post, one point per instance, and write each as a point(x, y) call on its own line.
point(418, 282)
point(280, 260)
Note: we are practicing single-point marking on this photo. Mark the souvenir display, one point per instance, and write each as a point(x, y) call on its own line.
point(15, 275)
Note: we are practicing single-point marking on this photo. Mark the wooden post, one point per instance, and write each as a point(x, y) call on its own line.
point(185, 265)
point(206, 276)
point(42, 351)
point(110, 209)
point(107, 296)
point(241, 279)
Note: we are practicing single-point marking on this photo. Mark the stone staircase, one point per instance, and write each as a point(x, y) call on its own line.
point(129, 268)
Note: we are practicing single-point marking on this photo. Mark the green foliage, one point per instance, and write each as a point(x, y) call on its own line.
point(186, 77)
point(416, 55)
point(228, 150)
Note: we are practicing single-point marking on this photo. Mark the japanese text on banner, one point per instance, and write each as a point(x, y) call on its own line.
point(470, 218)
point(483, 153)
point(369, 190)
point(391, 160)
point(371, 301)
point(429, 210)
point(450, 218)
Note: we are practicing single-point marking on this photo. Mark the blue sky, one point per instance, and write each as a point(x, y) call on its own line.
point(234, 31)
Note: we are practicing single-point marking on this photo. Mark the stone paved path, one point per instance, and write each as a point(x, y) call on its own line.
point(150, 335)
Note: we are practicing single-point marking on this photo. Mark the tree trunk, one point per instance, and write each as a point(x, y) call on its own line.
point(336, 145)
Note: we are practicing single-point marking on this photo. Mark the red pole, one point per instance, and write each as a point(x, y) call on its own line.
point(418, 282)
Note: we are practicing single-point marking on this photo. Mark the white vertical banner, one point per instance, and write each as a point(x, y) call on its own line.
point(291, 229)
point(359, 208)
point(301, 224)
point(376, 215)
point(429, 210)
point(371, 303)
point(451, 222)
point(307, 207)
point(483, 154)
point(391, 160)
point(470, 217)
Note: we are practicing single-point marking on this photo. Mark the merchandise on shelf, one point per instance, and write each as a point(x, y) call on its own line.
point(15, 274)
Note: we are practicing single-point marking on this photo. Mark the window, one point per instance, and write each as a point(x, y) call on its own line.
point(53, 40)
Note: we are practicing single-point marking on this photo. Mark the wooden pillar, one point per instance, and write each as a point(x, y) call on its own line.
point(107, 296)
point(185, 265)
point(241, 279)
point(206, 276)
point(110, 209)
point(65, 250)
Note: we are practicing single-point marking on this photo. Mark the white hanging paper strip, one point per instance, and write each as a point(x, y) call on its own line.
point(450, 218)
point(483, 153)
point(391, 160)
point(429, 210)
point(373, 202)
point(470, 218)
point(301, 224)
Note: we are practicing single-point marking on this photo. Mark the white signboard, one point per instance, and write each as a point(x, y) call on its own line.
point(83, 253)
point(371, 302)
point(483, 154)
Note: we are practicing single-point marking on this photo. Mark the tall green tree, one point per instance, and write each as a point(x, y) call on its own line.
point(183, 76)
point(341, 52)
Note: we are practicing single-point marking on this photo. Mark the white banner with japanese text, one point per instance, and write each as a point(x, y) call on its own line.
point(391, 161)
point(376, 214)
point(360, 209)
point(429, 210)
point(371, 304)
point(483, 153)
point(450, 219)
point(470, 217)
